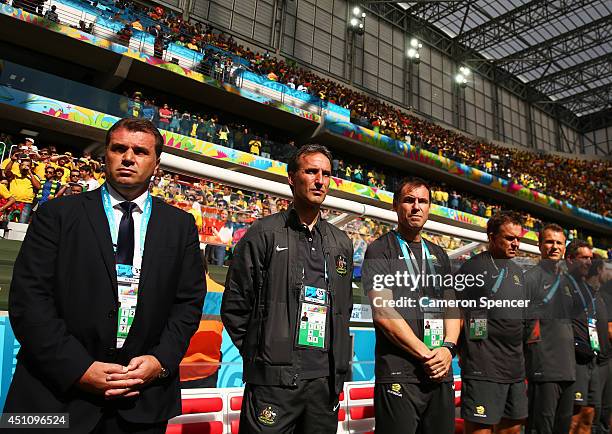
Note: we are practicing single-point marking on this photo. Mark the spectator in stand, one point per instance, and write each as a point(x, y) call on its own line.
point(137, 25)
point(224, 136)
point(22, 186)
point(210, 129)
point(64, 165)
point(223, 230)
point(123, 37)
point(175, 122)
point(185, 124)
point(255, 145)
point(149, 110)
point(7, 200)
point(165, 117)
point(51, 14)
point(135, 106)
point(88, 182)
point(50, 189)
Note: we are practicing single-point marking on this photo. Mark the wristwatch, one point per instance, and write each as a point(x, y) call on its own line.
point(451, 347)
point(163, 373)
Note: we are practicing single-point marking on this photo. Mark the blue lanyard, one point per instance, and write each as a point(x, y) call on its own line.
point(410, 259)
point(553, 289)
point(110, 216)
point(498, 282)
point(584, 303)
point(500, 277)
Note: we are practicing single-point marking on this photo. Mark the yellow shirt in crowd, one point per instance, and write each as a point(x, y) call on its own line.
point(14, 169)
point(22, 189)
point(4, 192)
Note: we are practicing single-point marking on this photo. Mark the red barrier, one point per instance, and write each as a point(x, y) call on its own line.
point(361, 393)
point(362, 412)
point(235, 426)
point(236, 403)
point(196, 428)
point(202, 405)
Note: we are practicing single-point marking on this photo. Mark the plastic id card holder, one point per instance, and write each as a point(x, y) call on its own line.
point(433, 332)
point(478, 325)
point(593, 337)
point(128, 278)
point(312, 320)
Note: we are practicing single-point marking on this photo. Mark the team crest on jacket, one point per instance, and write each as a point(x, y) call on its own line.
point(267, 416)
point(341, 265)
point(395, 389)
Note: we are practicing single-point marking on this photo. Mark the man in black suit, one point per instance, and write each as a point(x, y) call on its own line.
point(101, 340)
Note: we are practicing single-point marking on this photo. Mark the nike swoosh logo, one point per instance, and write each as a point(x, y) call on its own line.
point(336, 407)
point(547, 286)
point(280, 249)
point(401, 257)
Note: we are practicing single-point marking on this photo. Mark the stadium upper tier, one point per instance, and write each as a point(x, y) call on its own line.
point(259, 89)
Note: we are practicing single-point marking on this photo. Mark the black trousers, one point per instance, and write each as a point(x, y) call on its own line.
point(550, 407)
point(111, 423)
point(309, 408)
point(410, 408)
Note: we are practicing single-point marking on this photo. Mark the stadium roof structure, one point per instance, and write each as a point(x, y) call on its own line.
point(556, 54)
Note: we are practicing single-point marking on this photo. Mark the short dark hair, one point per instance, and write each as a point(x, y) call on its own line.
point(86, 168)
point(501, 218)
point(294, 162)
point(572, 248)
point(412, 181)
point(140, 125)
point(550, 227)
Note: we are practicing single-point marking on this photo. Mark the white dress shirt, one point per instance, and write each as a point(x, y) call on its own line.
point(116, 199)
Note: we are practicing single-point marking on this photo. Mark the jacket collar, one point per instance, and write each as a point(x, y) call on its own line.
point(293, 221)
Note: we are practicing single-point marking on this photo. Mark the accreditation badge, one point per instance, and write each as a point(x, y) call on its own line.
point(478, 326)
point(593, 337)
point(128, 278)
point(433, 332)
point(312, 320)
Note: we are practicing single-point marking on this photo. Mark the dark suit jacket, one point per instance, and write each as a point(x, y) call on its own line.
point(63, 309)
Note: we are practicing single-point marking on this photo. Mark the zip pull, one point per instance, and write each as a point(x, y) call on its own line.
point(294, 380)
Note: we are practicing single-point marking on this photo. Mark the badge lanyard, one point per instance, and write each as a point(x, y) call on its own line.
point(410, 259)
point(478, 324)
point(584, 303)
point(591, 320)
point(553, 289)
point(313, 314)
point(110, 216)
point(433, 323)
point(128, 277)
point(536, 334)
point(500, 277)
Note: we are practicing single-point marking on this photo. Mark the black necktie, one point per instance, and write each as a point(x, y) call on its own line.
point(125, 240)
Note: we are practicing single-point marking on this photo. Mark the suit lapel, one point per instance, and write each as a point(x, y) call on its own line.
point(99, 224)
point(152, 239)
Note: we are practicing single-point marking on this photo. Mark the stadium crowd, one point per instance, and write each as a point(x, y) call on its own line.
point(581, 182)
point(32, 175)
point(248, 136)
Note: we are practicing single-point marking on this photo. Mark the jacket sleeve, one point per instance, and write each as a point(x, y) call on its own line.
point(186, 312)
point(46, 343)
point(242, 283)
